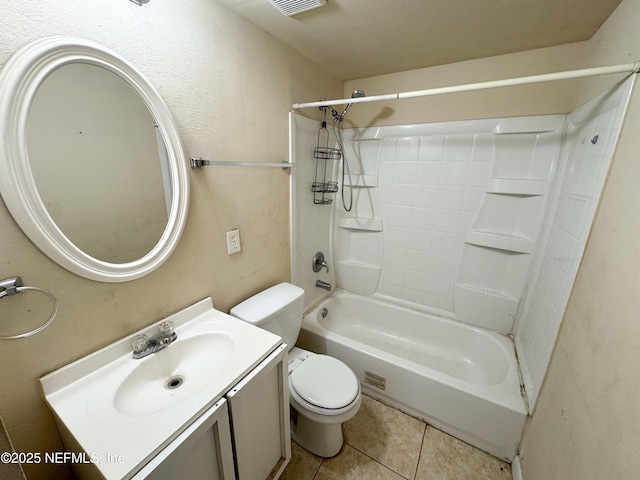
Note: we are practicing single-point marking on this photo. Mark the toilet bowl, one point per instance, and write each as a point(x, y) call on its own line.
point(323, 394)
point(323, 391)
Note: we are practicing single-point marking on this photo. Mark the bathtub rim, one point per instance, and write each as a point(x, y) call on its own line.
point(514, 399)
point(469, 354)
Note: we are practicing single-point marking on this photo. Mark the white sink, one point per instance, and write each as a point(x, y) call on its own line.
point(174, 373)
point(111, 405)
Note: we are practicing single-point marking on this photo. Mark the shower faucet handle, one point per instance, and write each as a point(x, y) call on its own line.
point(318, 262)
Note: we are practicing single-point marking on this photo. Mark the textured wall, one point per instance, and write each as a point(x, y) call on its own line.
point(538, 99)
point(229, 87)
point(586, 423)
point(587, 420)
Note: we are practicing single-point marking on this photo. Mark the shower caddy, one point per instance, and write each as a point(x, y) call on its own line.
point(323, 153)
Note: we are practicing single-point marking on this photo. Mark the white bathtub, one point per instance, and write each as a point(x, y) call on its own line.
point(460, 379)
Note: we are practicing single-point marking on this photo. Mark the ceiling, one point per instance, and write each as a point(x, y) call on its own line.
point(361, 38)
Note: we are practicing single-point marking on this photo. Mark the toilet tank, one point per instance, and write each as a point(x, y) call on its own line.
point(277, 309)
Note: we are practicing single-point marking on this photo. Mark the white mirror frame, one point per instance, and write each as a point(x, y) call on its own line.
point(19, 81)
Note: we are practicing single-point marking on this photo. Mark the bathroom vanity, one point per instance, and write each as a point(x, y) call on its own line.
point(211, 405)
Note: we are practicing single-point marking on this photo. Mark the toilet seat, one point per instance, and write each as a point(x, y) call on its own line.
point(324, 385)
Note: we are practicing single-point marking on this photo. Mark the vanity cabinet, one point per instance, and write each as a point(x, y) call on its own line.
point(244, 436)
point(213, 405)
point(202, 451)
point(259, 409)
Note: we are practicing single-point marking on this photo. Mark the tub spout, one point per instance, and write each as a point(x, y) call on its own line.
point(325, 285)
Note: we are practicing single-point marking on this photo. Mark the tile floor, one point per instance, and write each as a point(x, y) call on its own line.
point(382, 443)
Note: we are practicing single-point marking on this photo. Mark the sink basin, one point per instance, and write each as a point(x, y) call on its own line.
point(110, 405)
point(173, 373)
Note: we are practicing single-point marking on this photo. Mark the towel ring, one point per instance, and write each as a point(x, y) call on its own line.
point(54, 301)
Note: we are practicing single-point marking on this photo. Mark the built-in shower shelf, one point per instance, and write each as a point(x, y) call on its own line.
point(486, 291)
point(357, 223)
point(529, 125)
point(517, 186)
point(364, 181)
point(358, 277)
point(485, 306)
point(500, 241)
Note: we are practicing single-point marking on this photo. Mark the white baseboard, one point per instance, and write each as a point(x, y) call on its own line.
point(516, 470)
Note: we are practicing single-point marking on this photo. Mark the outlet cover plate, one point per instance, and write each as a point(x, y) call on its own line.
point(233, 242)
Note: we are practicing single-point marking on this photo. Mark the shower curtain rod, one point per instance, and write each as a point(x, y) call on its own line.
point(547, 77)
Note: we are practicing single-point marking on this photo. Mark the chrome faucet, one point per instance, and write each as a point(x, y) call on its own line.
point(143, 346)
point(318, 262)
point(325, 285)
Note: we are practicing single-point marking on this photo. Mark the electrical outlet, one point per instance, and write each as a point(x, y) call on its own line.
point(233, 241)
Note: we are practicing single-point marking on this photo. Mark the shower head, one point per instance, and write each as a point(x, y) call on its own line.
point(340, 117)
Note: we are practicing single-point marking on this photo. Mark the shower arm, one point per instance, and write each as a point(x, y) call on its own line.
point(340, 116)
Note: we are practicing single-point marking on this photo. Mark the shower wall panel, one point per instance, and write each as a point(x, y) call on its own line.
point(311, 227)
point(431, 181)
point(588, 147)
point(426, 194)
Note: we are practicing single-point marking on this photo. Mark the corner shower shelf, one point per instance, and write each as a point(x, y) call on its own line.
point(487, 292)
point(485, 306)
point(358, 277)
point(356, 223)
point(513, 186)
point(529, 125)
point(364, 181)
point(500, 241)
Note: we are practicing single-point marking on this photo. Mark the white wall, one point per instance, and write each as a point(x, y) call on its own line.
point(590, 141)
point(311, 229)
point(446, 215)
point(586, 424)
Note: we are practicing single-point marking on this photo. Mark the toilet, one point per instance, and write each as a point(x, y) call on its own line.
point(323, 392)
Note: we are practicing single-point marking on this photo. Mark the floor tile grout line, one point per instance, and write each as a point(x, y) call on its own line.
point(315, 474)
point(424, 441)
point(377, 461)
point(424, 435)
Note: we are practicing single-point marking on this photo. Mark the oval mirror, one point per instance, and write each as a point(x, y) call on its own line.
point(93, 168)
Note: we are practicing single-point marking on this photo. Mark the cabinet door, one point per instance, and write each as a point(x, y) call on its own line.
point(202, 452)
point(259, 407)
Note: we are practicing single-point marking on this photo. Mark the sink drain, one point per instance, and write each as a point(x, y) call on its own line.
point(174, 382)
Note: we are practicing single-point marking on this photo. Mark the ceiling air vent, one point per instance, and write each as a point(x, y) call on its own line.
point(293, 7)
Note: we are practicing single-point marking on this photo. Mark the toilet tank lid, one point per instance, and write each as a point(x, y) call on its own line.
point(261, 306)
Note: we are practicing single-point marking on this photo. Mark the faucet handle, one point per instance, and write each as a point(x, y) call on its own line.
point(318, 262)
point(166, 327)
point(140, 342)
